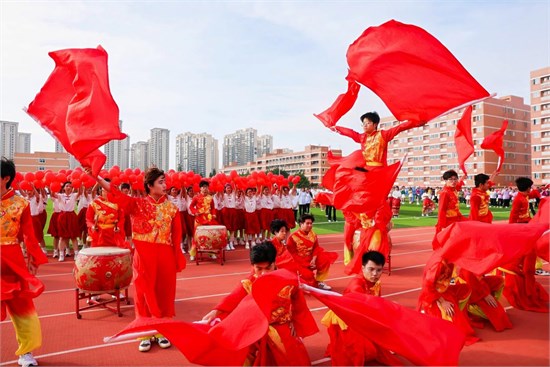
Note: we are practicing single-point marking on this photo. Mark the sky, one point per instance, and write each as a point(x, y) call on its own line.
point(220, 66)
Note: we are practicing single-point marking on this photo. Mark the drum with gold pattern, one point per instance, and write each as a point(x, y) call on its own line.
point(210, 237)
point(103, 269)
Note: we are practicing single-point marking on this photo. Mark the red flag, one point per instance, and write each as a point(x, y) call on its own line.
point(323, 198)
point(76, 106)
point(495, 142)
point(463, 138)
point(341, 106)
point(431, 342)
point(363, 192)
point(405, 66)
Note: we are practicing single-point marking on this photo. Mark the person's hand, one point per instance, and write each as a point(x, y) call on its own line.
point(209, 317)
point(333, 128)
point(447, 306)
point(292, 329)
point(312, 263)
point(491, 301)
point(32, 268)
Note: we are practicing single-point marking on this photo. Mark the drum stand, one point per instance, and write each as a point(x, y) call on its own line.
point(203, 254)
point(104, 303)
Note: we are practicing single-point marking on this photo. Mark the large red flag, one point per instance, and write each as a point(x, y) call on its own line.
point(463, 138)
point(495, 142)
point(422, 339)
point(75, 105)
point(341, 106)
point(411, 71)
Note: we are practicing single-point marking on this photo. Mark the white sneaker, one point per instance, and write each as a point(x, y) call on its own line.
point(247, 246)
point(232, 245)
point(164, 343)
point(227, 247)
point(67, 252)
point(61, 258)
point(45, 251)
point(542, 272)
point(324, 286)
point(213, 256)
point(241, 242)
point(75, 254)
point(145, 345)
point(55, 253)
point(27, 360)
point(191, 258)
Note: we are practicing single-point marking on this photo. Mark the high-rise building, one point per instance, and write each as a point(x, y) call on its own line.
point(245, 146)
point(159, 148)
point(431, 149)
point(540, 125)
point(58, 147)
point(140, 155)
point(8, 139)
point(23, 143)
point(118, 152)
point(312, 162)
point(198, 153)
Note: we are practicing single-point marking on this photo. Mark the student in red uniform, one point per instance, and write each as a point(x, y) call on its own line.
point(346, 346)
point(202, 208)
point(156, 234)
point(19, 285)
point(479, 199)
point(290, 319)
point(105, 222)
point(449, 211)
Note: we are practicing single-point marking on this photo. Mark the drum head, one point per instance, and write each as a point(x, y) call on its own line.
point(103, 251)
point(219, 228)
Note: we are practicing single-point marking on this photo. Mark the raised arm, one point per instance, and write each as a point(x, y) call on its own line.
point(349, 133)
point(403, 126)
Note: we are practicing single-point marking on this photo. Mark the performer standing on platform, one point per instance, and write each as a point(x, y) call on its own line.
point(347, 347)
point(202, 207)
point(313, 261)
point(449, 211)
point(156, 234)
point(19, 285)
point(290, 319)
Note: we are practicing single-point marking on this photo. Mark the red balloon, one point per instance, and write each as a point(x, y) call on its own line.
point(29, 176)
point(76, 174)
point(115, 180)
point(39, 175)
point(25, 185)
point(19, 176)
point(38, 184)
point(77, 183)
point(88, 183)
point(123, 177)
point(132, 177)
point(55, 186)
point(234, 174)
point(61, 177)
point(128, 171)
point(49, 177)
point(137, 171)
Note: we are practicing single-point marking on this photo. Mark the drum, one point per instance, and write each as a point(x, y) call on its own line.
point(210, 237)
point(103, 269)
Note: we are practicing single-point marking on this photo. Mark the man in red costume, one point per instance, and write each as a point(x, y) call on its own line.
point(105, 222)
point(19, 285)
point(202, 207)
point(347, 347)
point(312, 260)
point(156, 234)
point(290, 320)
point(374, 142)
point(479, 200)
point(449, 211)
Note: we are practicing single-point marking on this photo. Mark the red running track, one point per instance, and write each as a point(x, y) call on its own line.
point(72, 342)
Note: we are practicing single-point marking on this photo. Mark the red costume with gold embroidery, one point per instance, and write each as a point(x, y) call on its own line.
point(202, 207)
point(106, 222)
point(374, 146)
point(303, 247)
point(436, 284)
point(278, 347)
point(449, 211)
point(347, 347)
point(479, 206)
point(156, 232)
point(19, 287)
point(520, 209)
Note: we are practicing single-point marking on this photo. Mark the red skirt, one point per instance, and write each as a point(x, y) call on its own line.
point(37, 226)
point(230, 219)
point(53, 227)
point(266, 217)
point(82, 220)
point(189, 224)
point(43, 219)
point(288, 216)
point(67, 225)
point(240, 222)
point(252, 223)
point(183, 224)
point(127, 225)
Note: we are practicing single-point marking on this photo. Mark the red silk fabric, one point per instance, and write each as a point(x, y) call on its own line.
point(75, 105)
point(463, 138)
point(495, 142)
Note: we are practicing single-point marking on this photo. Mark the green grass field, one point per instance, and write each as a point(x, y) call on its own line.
point(409, 216)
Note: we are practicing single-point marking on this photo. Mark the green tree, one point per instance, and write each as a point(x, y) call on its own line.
point(278, 171)
point(304, 181)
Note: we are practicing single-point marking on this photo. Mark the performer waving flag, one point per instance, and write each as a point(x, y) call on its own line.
point(495, 142)
point(76, 107)
point(463, 138)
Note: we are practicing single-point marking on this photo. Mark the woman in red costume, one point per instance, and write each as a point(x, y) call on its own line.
point(156, 232)
point(105, 222)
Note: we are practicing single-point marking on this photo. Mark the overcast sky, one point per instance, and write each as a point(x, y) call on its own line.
point(219, 66)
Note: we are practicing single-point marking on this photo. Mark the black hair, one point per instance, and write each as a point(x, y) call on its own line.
point(523, 183)
point(151, 175)
point(372, 116)
point(480, 179)
point(124, 186)
point(374, 256)
point(263, 252)
point(305, 217)
point(450, 173)
point(7, 169)
point(204, 183)
point(65, 184)
point(277, 224)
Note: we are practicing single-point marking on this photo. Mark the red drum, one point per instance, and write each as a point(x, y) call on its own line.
point(210, 237)
point(103, 269)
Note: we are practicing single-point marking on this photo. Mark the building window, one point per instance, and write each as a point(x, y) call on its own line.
point(41, 160)
point(41, 168)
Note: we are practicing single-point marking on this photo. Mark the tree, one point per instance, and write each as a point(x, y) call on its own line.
point(278, 171)
point(304, 182)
